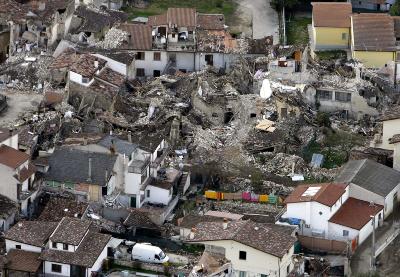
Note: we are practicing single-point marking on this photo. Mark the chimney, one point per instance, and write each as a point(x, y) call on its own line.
point(192, 233)
point(89, 179)
point(11, 137)
point(225, 224)
point(96, 64)
point(130, 136)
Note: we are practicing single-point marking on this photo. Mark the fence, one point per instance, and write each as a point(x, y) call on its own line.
point(244, 196)
point(325, 245)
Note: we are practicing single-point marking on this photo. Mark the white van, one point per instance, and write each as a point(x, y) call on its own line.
point(145, 252)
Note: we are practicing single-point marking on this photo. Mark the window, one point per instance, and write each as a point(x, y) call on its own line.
point(242, 255)
point(209, 60)
point(345, 233)
point(65, 246)
point(242, 273)
point(148, 193)
point(342, 96)
point(56, 268)
point(344, 36)
point(263, 275)
point(157, 56)
point(18, 246)
point(156, 73)
point(140, 56)
point(324, 95)
point(85, 80)
point(140, 72)
point(54, 244)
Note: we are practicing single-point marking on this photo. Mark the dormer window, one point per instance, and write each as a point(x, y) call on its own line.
point(85, 80)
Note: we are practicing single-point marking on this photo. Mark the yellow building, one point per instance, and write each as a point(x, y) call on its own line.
point(373, 39)
point(330, 25)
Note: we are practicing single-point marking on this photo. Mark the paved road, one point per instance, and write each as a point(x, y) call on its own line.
point(265, 19)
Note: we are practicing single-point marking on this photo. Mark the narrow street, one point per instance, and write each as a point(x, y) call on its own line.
point(265, 18)
point(360, 261)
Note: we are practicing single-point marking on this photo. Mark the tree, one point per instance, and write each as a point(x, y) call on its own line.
point(279, 4)
point(395, 9)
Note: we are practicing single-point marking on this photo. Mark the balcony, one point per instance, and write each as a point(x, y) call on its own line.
point(183, 45)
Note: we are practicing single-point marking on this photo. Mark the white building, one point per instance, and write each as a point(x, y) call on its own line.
point(254, 249)
point(314, 205)
point(68, 248)
point(390, 127)
point(373, 182)
point(18, 178)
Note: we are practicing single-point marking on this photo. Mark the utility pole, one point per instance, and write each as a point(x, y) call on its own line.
point(373, 244)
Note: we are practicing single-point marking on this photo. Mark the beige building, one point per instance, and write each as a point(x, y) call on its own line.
point(254, 249)
point(390, 127)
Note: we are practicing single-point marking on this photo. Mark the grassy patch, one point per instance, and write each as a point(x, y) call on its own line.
point(335, 147)
point(331, 55)
point(296, 31)
point(226, 7)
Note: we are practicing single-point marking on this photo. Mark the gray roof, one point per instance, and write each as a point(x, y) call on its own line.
point(121, 146)
point(70, 231)
point(370, 175)
point(72, 165)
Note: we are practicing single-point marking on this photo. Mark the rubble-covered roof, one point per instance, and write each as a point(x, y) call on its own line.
point(85, 65)
point(139, 219)
point(11, 157)
point(215, 41)
point(34, 233)
point(260, 46)
point(5, 134)
point(26, 137)
point(110, 76)
point(139, 36)
point(162, 184)
point(391, 114)
point(23, 261)
point(86, 255)
point(355, 213)
point(122, 56)
point(50, 7)
point(12, 10)
point(373, 32)
point(210, 21)
point(227, 215)
point(94, 20)
point(370, 175)
point(57, 208)
point(269, 238)
point(191, 220)
point(65, 60)
point(331, 14)
point(70, 230)
point(7, 207)
point(72, 165)
point(394, 139)
point(121, 146)
point(396, 22)
point(326, 194)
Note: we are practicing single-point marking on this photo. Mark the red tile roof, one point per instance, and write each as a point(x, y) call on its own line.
point(373, 32)
point(85, 65)
point(21, 260)
point(158, 20)
point(331, 14)
point(182, 17)
point(326, 194)
point(355, 213)
point(12, 157)
point(211, 21)
point(139, 36)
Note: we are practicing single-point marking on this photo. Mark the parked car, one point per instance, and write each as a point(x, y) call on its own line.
point(145, 252)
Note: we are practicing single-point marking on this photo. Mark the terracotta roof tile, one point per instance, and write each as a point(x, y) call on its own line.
point(326, 194)
point(65, 60)
point(86, 255)
point(211, 21)
point(373, 32)
point(182, 17)
point(31, 232)
point(11, 157)
point(21, 260)
point(58, 208)
point(71, 230)
point(355, 213)
point(331, 14)
point(139, 36)
point(53, 98)
point(269, 238)
point(85, 65)
point(26, 172)
point(158, 20)
point(112, 77)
